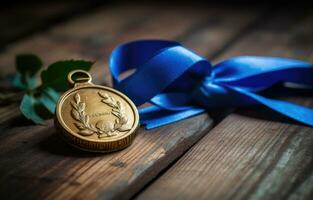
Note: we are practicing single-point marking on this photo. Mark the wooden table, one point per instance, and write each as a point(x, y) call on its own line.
point(249, 153)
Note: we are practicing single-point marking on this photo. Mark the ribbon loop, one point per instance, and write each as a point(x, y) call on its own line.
point(180, 84)
point(258, 73)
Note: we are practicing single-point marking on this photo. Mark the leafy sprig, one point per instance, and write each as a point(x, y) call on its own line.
point(39, 100)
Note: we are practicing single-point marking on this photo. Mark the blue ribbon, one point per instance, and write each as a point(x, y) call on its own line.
point(180, 84)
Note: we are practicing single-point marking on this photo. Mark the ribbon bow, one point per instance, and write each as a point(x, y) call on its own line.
point(180, 84)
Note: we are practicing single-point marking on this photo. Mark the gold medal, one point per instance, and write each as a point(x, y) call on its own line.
point(95, 118)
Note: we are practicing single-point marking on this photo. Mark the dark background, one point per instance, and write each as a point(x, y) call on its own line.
point(19, 19)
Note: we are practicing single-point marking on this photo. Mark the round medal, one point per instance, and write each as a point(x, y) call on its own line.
point(95, 118)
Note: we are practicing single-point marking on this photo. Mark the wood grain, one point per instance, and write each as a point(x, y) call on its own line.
point(32, 158)
point(25, 18)
point(253, 153)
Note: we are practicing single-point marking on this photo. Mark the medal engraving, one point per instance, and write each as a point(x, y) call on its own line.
point(101, 128)
point(96, 118)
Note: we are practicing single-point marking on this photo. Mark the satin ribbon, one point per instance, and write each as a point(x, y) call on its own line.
point(180, 84)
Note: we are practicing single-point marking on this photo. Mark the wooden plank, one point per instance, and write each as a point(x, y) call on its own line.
point(253, 153)
point(24, 18)
point(35, 159)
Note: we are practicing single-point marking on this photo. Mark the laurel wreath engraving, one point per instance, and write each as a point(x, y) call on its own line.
point(102, 128)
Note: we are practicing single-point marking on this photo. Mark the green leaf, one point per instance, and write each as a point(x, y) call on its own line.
point(56, 74)
point(39, 103)
point(30, 107)
point(17, 82)
point(48, 103)
point(28, 64)
point(23, 82)
point(49, 98)
point(54, 95)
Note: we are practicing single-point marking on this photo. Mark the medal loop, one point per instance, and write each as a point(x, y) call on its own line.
point(78, 76)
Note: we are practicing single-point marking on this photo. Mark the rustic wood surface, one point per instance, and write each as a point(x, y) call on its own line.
point(254, 158)
point(33, 158)
point(252, 153)
point(25, 18)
